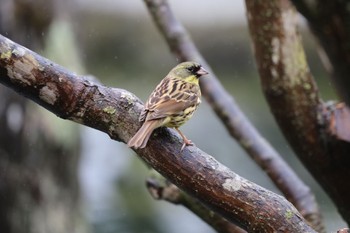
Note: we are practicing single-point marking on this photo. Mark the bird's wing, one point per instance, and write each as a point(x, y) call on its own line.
point(164, 102)
point(143, 115)
point(167, 108)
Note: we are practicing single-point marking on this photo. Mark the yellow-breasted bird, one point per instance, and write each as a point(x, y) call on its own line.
point(172, 103)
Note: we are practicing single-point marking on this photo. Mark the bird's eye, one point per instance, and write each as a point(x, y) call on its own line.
point(192, 69)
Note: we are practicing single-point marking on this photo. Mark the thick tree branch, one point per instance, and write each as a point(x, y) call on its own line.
point(294, 98)
point(116, 111)
point(232, 117)
point(162, 189)
point(329, 21)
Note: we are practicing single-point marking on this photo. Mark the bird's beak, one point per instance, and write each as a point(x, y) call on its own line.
point(201, 72)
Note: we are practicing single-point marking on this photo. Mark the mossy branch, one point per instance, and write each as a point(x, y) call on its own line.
point(115, 112)
point(162, 189)
point(329, 21)
point(237, 124)
point(316, 131)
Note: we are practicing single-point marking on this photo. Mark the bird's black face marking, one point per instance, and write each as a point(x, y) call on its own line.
point(187, 69)
point(194, 68)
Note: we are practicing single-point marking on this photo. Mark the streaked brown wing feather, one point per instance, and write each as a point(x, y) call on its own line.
point(154, 97)
point(143, 115)
point(168, 108)
point(164, 101)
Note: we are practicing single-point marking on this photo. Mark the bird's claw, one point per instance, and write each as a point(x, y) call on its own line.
point(186, 143)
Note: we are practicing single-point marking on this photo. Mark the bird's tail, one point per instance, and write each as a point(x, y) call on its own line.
point(140, 139)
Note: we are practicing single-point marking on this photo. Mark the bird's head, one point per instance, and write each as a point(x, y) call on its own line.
point(189, 71)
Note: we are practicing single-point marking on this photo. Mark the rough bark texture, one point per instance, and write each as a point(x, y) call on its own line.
point(330, 22)
point(232, 117)
point(116, 112)
point(294, 99)
point(162, 189)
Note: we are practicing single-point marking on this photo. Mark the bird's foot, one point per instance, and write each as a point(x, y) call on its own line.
point(186, 143)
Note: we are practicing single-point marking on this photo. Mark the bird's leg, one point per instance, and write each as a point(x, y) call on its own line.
point(185, 140)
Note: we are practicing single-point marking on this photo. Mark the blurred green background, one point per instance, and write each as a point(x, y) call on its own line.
point(119, 44)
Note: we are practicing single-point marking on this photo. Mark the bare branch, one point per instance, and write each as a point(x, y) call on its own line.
point(329, 21)
point(161, 189)
point(115, 111)
point(294, 98)
point(232, 117)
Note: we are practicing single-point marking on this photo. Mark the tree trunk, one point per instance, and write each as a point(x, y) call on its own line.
point(38, 178)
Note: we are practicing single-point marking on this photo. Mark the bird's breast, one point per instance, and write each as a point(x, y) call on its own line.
point(177, 120)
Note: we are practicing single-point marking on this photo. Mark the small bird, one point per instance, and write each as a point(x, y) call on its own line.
point(172, 103)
